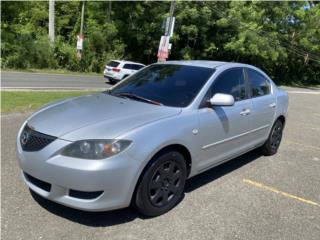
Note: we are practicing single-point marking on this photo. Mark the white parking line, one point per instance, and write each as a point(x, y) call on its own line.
point(53, 74)
point(39, 87)
point(52, 88)
point(304, 92)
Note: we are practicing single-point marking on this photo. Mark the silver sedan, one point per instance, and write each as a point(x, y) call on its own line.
point(139, 141)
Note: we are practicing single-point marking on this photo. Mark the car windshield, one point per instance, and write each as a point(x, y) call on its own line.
point(164, 84)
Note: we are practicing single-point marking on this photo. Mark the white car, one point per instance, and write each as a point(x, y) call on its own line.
point(117, 70)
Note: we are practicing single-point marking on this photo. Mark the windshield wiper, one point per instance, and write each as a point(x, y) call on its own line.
point(136, 97)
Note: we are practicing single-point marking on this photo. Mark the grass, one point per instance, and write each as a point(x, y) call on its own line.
point(52, 71)
point(24, 101)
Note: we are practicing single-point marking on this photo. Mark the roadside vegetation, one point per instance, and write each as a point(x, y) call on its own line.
point(25, 101)
point(282, 38)
point(51, 71)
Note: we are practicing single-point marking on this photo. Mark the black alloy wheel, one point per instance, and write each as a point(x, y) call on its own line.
point(165, 183)
point(273, 142)
point(162, 184)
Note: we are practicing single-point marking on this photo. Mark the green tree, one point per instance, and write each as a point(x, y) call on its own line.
point(282, 38)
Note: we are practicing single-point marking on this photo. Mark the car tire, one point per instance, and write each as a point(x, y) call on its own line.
point(272, 144)
point(111, 81)
point(162, 184)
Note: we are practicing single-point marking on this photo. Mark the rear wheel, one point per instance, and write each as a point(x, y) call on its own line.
point(273, 142)
point(162, 184)
point(111, 81)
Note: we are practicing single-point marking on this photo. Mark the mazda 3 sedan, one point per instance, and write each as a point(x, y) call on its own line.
point(139, 141)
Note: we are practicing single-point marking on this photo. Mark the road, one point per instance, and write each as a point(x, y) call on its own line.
point(25, 80)
point(251, 197)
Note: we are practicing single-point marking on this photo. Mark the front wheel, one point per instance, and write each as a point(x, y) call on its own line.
point(162, 184)
point(272, 144)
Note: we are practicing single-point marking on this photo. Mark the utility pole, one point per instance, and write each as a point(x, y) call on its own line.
point(82, 16)
point(171, 17)
point(164, 41)
point(109, 11)
point(51, 21)
point(80, 36)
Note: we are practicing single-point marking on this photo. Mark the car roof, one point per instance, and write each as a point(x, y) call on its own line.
point(208, 64)
point(198, 63)
point(122, 61)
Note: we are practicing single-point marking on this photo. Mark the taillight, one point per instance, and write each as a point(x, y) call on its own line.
point(116, 69)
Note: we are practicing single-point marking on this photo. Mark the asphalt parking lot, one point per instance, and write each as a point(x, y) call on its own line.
point(251, 197)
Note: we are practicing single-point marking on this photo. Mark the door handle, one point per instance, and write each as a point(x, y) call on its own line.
point(272, 105)
point(245, 112)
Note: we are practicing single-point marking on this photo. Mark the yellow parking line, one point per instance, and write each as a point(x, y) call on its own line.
point(272, 189)
point(301, 144)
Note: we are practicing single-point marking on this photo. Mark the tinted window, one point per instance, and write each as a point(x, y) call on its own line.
point(230, 82)
point(133, 66)
point(259, 84)
point(113, 64)
point(127, 66)
point(171, 85)
point(137, 67)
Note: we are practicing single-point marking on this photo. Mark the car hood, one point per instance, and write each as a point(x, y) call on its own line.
point(98, 116)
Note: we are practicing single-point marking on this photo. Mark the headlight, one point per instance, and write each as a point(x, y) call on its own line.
point(95, 149)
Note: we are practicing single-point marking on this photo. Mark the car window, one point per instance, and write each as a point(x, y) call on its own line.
point(132, 66)
point(230, 82)
point(127, 66)
point(169, 84)
point(259, 85)
point(113, 64)
point(137, 67)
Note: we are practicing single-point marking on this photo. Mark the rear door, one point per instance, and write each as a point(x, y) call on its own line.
point(263, 105)
point(128, 69)
point(224, 130)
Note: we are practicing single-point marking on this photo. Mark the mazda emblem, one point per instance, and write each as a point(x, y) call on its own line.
point(24, 138)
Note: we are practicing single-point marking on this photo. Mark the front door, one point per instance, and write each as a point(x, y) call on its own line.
point(223, 130)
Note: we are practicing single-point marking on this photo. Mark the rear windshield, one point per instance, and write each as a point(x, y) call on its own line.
point(133, 66)
point(113, 64)
point(168, 84)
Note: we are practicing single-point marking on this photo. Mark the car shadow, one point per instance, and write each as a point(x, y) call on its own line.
point(94, 219)
point(115, 217)
point(221, 170)
point(110, 83)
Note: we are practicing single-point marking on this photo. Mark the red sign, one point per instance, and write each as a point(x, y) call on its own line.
point(80, 42)
point(163, 47)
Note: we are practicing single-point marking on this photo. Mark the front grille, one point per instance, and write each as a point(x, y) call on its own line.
point(37, 182)
point(84, 195)
point(32, 140)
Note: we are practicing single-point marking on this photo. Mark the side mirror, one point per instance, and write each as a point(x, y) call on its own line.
point(221, 99)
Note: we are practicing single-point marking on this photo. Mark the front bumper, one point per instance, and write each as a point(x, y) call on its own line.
point(114, 178)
